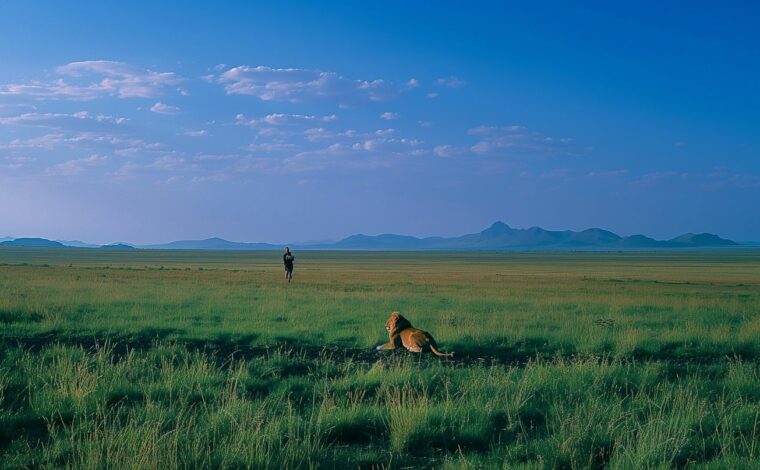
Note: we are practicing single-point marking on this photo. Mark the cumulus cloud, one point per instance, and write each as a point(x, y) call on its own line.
point(88, 80)
point(163, 108)
point(302, 85)
point(389, 116)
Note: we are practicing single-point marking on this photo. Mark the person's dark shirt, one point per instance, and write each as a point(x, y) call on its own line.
point(287, 259)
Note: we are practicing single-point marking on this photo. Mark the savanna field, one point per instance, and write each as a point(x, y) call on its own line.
point(190, 359)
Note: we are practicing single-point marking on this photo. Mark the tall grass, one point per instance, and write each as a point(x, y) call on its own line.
point(564, 361)
point(170, 408)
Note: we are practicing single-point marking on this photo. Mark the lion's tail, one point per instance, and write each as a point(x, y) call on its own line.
point(438, 353)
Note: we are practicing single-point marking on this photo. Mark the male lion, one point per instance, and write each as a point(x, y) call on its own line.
point(401, 333)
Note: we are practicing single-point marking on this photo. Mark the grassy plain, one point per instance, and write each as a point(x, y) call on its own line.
point(181, 359)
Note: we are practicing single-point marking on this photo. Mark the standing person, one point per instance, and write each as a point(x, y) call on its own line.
point(287, 260)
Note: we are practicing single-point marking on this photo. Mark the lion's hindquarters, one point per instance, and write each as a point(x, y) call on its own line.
point(434, 347)
point(416, 340)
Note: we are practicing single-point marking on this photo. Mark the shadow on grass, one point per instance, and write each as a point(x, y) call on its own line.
point(226, 347)
point(19, 316)
point(27, 425)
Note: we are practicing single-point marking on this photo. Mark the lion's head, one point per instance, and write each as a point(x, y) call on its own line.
point(396, 323)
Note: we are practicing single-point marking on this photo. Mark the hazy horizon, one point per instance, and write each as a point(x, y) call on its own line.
point(319, 241)
point(148, 123)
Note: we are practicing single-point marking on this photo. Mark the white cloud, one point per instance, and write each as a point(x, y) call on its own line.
point(47, 141)
point(75, 167)
point(392, 145)
point(389, 116)
point(163, 108)
point(494, 130)
point(350, 136)
point(195, 133)
point(448, 150)
point(516, 139)
point(280, 119)
point(302, 85)
point(450, 82)
point(320, 159)
point(58, 120)
point(432, 95)
point(319, 134)
point(88, 80)
point(270, 147)
point(412, 84)
point(84, 141)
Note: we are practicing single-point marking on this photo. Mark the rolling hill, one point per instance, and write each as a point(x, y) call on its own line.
point(33, 243)
point(210, 244)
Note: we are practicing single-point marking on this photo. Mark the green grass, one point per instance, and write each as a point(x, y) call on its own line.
point(158, 359)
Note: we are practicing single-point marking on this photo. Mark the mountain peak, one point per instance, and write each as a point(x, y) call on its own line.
point(703, 239)
point(498, 225)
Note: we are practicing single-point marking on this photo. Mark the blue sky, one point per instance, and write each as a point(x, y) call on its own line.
point(153, 121)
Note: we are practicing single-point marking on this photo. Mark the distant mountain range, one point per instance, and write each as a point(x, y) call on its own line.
point(502, 237)
point(210, 244)
point(497, 237)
